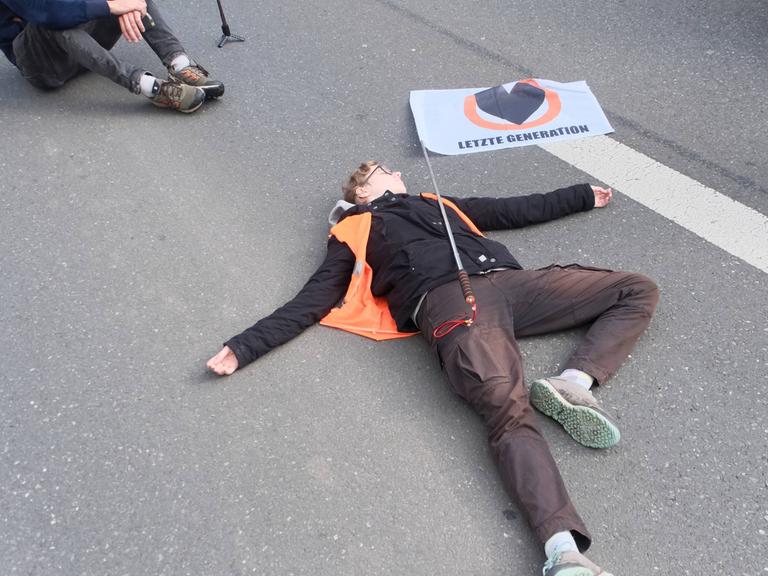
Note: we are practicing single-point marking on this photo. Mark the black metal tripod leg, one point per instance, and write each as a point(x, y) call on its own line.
point(227, 36)
point(230, 38)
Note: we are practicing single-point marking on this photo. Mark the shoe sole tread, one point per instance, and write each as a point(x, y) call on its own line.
point(187, 111)
point(585, 425)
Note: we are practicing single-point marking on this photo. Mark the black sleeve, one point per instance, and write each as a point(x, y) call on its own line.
point(319, 295)
point(519, 211)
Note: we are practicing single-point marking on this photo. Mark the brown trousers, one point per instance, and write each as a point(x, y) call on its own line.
point(484, 366)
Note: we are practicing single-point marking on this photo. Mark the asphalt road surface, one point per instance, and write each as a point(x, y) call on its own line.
point(136, 240)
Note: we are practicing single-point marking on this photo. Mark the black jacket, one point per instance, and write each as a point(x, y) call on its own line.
point(410, 254)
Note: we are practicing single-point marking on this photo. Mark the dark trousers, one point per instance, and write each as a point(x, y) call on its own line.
point(484, 366)
point(48, 58)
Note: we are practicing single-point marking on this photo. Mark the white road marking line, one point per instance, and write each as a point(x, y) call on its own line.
point(728, 224)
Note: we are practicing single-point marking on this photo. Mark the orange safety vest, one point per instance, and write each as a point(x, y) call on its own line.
point(361, 312)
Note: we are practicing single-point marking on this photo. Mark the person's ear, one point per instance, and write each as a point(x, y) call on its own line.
point(361, 193)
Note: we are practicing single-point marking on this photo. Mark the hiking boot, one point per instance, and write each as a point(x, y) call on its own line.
point(172, 94)
point(576, 409)
point(571, 564)
point(196, 75)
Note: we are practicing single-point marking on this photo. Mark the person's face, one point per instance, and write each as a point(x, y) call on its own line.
point(379, 180)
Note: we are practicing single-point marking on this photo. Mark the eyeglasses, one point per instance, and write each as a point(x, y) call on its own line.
point(378, 167)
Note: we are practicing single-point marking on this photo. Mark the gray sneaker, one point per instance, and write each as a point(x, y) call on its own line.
point(196, 75)
point(576, 409)
point(572, 564)
point(172, 94)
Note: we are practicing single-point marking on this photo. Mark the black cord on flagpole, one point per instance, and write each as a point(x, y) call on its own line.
point(227, 35)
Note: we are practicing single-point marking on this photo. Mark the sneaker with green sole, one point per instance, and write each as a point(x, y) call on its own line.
point(172, 94)
point(571, 564)
point(576, 410)
point(196, 75)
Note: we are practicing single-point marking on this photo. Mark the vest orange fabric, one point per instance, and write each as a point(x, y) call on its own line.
point(361, 312)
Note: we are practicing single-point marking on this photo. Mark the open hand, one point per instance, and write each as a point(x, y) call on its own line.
point(129, 14)
point(224, 363)
point(602, 196)
point(131, 26)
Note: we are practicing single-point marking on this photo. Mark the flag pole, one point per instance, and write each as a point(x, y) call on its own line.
point(466, 288)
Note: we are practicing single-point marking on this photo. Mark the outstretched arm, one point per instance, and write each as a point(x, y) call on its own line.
point(321, 293)
point(520, 211)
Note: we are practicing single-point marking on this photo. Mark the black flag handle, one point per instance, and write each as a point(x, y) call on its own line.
point(466, 288)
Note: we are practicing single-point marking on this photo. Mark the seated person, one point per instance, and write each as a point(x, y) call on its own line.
point(52, 41)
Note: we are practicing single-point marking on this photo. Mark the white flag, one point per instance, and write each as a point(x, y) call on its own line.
point(516, 114)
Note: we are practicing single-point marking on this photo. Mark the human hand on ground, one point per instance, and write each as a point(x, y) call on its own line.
point(224, 363)
point(602, 196)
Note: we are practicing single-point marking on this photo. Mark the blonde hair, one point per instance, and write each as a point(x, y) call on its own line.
point(356, 180)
